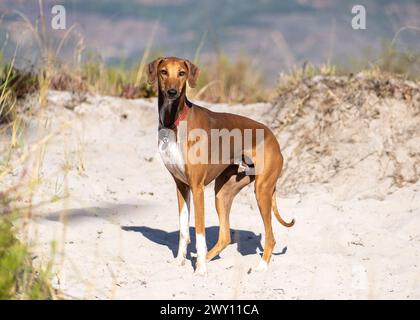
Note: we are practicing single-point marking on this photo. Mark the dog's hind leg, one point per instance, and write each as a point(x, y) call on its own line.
point(226, 187)
point(183, 193)
point(264, 195)
point(265, 184)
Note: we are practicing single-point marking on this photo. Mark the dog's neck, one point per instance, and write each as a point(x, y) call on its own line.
point(169, 110)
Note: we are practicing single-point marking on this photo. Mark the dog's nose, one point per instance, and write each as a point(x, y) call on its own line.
point(172, 92)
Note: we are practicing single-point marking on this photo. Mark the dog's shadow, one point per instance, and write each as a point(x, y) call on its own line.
point(247, 242)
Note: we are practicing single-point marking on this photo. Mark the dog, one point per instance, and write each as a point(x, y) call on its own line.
point(171, 75)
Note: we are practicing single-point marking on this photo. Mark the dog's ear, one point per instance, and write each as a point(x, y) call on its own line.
point(152, 70)
point(193, 73)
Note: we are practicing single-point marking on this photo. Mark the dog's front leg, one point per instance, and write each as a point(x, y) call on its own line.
point(183, 193)
point(200, 231)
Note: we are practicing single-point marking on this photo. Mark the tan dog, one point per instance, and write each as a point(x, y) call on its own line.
point(172, 75)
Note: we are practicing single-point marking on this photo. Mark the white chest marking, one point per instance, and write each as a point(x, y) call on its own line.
point(172, 156)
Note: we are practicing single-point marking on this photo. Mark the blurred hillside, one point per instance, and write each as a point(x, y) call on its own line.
point(277, 33)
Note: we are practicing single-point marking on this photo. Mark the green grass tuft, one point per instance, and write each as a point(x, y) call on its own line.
point(19, 279)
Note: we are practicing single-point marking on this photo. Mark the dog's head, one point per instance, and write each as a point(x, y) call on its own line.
point(172, 74)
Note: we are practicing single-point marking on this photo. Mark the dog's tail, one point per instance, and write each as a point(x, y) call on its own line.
point(277, 214)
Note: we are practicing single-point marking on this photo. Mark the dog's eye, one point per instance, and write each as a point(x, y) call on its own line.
point(181, 73)
point(164, 72)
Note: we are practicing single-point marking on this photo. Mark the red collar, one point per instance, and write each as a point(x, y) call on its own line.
point(182, 115)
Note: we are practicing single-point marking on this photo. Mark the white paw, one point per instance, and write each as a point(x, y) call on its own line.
point(179, 260)
point(201, 270)
point(262, 266)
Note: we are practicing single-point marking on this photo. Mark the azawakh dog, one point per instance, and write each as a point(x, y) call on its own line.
point(172, 75)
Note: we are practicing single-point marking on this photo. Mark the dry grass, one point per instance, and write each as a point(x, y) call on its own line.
point(224, 80)
point(404, 63)
point(221, 80)
point(20, 277)
point(288, 81)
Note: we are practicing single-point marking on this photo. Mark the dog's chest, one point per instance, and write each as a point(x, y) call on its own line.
point(171, 153)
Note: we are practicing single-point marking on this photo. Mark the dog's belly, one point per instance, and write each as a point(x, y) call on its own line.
point(171, 154)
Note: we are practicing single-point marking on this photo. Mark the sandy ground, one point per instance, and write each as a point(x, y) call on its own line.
point(116, 230)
